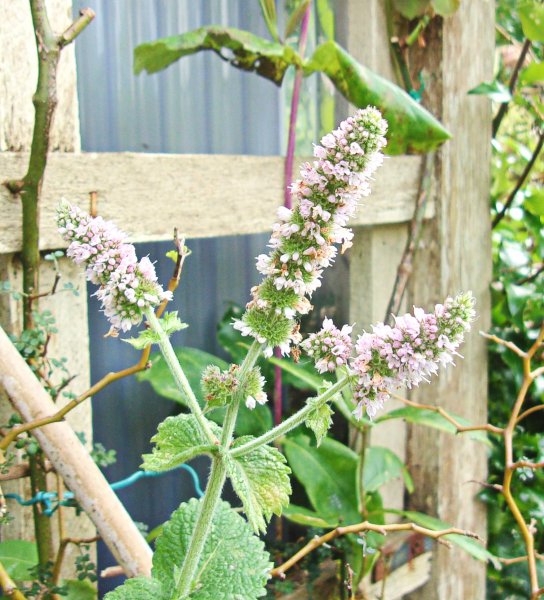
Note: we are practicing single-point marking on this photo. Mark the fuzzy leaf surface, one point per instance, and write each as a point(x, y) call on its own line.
point(138, 588)
point(261, 480)
point(241, 49)
point(328, 474)
point(177, 440)
point(234, 564)
point(319, 421)
point(412, 129)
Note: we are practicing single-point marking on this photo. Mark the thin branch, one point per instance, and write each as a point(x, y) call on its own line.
point(510, 345)
point(460, 428)
point(8, 585)
point(511, 86)
point(521, 180)
point(406, 265)
point(524, 464)
point(531, 277)
point(86, 15)
point(361, 528)
point(529, 411)
point(518, 559)
point(63, 544)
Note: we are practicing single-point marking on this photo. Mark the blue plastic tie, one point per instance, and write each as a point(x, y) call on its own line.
point(51, 503)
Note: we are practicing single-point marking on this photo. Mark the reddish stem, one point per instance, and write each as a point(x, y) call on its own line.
point(288, 179)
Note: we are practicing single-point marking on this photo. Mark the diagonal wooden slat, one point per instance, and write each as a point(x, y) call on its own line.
point(148, 195)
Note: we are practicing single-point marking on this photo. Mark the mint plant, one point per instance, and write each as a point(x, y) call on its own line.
point(207, 550)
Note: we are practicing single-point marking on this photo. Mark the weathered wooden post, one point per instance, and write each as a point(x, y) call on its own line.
point(455, 255)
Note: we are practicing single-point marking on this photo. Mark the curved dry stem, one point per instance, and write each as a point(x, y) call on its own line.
point(361, 528)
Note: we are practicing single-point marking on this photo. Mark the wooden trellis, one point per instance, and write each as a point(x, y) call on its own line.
point(208, 200)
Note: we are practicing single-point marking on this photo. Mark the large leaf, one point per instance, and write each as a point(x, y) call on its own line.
point(79, 590)
point(136, 589)
point(302, 375)
point(470, 545)
point(233, 565)
point(241, 49)
point(429, 418)
point(193, 362)
point(18, 557)
point(261, 481)
point(319, 420)
point(531, 14)
point(383, 465)
point(178, 439)
point(328, 474)
point(305, 516)
point(411, 127)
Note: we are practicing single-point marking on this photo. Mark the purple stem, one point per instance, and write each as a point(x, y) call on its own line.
point(288, 179)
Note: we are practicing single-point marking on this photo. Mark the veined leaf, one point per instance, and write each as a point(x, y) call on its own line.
point(304, 516)
point(18, 557)
point(79, 589)
point(234, 563)
point(411, 127)
point(319, 420)
point(383, 465)
point(177, 440)
point(495, 90)
point(241, 49)
point(328, 474)
point(261, 481)
point(302, 373)
point(138, 588)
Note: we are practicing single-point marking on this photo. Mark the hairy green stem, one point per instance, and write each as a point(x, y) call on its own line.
point(293, 421)
point(178, 374)
point(215, 484)
point(203, 525)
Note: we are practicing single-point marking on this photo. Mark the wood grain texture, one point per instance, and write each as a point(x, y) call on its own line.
point(19, 72)
point(203, 195)
point(459, 55)
point(377, 250)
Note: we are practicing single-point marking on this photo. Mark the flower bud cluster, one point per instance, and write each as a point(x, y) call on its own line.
point(219, 386)
point(127, 287)
point(390, 358)
point(330, 347)
point(303, 240)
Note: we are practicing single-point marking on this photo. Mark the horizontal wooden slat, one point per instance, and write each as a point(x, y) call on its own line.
point(147, 195)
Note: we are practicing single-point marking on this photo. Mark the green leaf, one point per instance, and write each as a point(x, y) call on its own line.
point(192, 361)
point(18, 556)
point(470, 545)
point(304, 516)
point(138, 588)
point(411, 8)
point(325, 13)
point(241, 49)
point(531, 14)
point(233, 565)
point(495, 90)
point(268, 8)
point(532, 74)
point(445, 8)
point(79, 590)
point(261, 481)
point(319, 420)
point(432, 419)
point(411, 127)
point(302, 373)
point(328, 474)
point(177, 440)
point(171, 323)
point(383, 465)
point(296, 17)
point(144, 339)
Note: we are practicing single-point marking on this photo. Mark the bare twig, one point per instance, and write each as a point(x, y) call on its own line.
point(439, 410)
point(63, 544)
point(363, 527)
point(510, 345)
point(501, 113)
point(406, 264)
point(8, 585)
point(521, 180)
